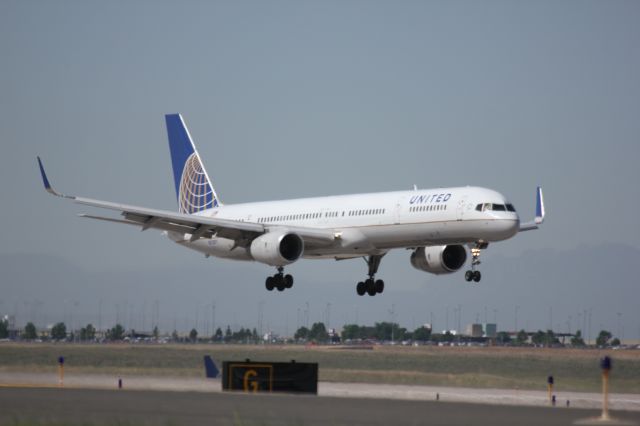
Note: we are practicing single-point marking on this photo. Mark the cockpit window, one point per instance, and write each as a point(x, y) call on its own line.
point(495, 207)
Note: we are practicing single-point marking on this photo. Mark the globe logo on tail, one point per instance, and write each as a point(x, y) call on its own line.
point(196, 193)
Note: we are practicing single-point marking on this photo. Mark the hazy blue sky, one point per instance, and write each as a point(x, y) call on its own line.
point(297, 98)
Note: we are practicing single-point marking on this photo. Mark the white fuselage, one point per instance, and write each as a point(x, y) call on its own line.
point(372, 224)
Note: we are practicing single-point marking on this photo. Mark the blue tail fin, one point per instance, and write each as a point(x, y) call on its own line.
point(193, 186)
point(539, 206)
point(210, 368)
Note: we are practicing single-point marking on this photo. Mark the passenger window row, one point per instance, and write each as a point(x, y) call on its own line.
point(366, 212)
point(433, 207)
point(302, 216)
point(306, 216)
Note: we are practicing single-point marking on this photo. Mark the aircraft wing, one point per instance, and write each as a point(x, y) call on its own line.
point(195, 225)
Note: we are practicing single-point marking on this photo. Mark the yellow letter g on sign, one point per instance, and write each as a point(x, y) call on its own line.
point(248, 381)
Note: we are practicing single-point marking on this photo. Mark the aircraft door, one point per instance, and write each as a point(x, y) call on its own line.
point(324, 218)
point(460, 208)
point(397, 214)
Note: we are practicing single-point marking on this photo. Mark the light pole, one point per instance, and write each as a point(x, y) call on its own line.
point(100, 315)
point(392, 313)
point(260, 315)
point(589, 335)
point(306, 314)
point(213, 317)
point(447, 320)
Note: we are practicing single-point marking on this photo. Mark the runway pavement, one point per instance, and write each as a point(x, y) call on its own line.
point(627, 402)
point(44, 406)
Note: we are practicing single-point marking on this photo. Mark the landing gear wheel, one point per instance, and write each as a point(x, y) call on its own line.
point(476, 276)
point(469, 275)
point(269, 284)
point(371, 287)
point(288, 281)
point(279, 282)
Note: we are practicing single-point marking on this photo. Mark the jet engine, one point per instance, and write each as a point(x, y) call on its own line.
point(439, 259)
point(277, 248)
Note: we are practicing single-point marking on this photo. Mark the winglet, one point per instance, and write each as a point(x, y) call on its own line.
point(210, 368)
point(539, 207)
point(47, 185)
point(528, 226)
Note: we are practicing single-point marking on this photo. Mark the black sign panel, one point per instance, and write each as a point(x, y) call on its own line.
point(297, 377)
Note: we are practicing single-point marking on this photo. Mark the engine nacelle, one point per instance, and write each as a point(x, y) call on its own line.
point(439, 259)
point(277, 248)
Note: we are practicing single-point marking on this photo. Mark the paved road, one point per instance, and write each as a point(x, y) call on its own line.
point(96, 406)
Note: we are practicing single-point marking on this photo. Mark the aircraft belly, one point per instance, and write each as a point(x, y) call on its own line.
point(377, 239)
point(439, 233)
point(383, 238)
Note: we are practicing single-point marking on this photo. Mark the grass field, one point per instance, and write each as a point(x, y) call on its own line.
point(509, 368)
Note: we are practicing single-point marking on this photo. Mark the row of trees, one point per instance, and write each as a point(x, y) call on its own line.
point(59, 332)
point(4, 329)
point(244, 335)
point(118, 332)
point(317, 333)
point(381, 331)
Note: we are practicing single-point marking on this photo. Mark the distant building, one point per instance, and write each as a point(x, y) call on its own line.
point(490, 330)
point(474, 330)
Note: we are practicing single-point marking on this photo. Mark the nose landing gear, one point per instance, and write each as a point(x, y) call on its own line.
point(473, 274)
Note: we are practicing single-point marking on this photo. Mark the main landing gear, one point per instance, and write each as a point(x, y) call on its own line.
point(473, 274)
point(371, 286)
point(279, 281)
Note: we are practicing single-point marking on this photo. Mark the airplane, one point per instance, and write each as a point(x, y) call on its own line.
point(437, 225)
